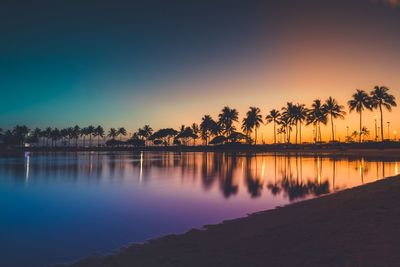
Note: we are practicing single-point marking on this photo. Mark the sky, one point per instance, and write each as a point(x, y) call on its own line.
point(168, 63)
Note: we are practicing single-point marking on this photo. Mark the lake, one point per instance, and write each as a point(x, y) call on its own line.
point(60, 207)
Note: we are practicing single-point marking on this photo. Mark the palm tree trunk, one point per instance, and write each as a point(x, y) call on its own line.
point(255, 137)
point(333, 132)
point(380, 109)
point(297, 129)
point(300, 133)
point(274, 132)
point(319, 131)
point(359, 140)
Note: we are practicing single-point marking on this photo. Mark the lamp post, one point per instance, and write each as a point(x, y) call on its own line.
point(388, 125)
point(347, 133)
point(376, 129)
point(395, 135)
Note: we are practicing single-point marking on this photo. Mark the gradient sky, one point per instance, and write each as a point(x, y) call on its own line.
point(167, 63)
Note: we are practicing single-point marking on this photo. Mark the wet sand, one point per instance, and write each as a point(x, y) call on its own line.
point(354, 227)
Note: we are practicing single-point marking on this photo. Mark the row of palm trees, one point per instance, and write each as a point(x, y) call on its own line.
point(291, 118)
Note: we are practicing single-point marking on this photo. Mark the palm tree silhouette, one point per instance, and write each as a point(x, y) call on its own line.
point(317, 115)
point(252, 121)
point(286, 124)
point(47, 134)
point(208, 127)
point(121, 132)
point(84, 132)
point(360, 101)
point(288, 118)
point(55, 136)
point(90, 132)
point(75, 134)
point(99, 132)
point(226, 119)
point(381, 98)
point(246, 127)
point(335, 111)
point(300, 116)
point(195, 132)
point(112, 133)
point(273, 116)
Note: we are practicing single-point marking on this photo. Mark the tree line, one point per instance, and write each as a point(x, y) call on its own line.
point(287, 121)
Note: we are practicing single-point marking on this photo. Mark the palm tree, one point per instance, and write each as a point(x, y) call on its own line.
point(55, 135)
point(47, 134)
point(226, 119)
point(84, 131)
point(207, 128)
point(76, 131)
point(99, 132)
point(252, 121)
point(381, 98)
point(301, 113)
point(20, 132)
point(273, 116)
point(286, 126)
point(145, 133)
point(360, 101)
point(288, 118)
point(363, 133)
point(113, 133)
point(196, 131)
point(90, 131)
point(121, 132)
point(317, 115)
point(246, 127)
point(335, 111)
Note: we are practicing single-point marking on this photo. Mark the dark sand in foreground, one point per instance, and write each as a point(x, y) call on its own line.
point(355, 227)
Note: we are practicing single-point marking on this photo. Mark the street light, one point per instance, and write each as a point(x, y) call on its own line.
point(388, 125)
point(395, 135)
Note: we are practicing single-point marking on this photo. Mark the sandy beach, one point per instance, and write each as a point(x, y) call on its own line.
point(354, 227)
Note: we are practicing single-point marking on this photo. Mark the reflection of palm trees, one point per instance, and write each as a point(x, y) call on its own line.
point(208, 172)
point(294, 189)
point(318, 189)
point(226, 180)
point(274, 187)
point(254, 183)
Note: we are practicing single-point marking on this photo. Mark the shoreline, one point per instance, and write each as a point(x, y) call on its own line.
point(366, 151)
point(324, 147)
point(353, 227)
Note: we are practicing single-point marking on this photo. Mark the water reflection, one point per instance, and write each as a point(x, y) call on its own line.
point(74, 199)
point(291, 176)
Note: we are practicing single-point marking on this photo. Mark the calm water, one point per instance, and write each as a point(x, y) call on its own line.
point(59, 207)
